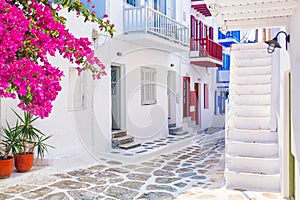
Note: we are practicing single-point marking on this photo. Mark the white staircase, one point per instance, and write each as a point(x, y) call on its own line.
point(252, 160)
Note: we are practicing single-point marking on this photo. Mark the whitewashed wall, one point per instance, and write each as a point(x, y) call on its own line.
point(294, 46)
point(73, 131)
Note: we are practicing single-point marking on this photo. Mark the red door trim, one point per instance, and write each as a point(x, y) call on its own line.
point(186, 102)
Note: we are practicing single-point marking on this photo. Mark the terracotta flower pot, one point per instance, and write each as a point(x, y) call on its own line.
point(6, 167)
point(24, 162)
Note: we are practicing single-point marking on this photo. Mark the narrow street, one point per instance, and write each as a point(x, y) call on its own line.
point(193, 172)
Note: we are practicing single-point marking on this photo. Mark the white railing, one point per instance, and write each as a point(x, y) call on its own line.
point(146, 20)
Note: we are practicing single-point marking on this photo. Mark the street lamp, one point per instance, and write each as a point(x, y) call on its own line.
point(274, 42)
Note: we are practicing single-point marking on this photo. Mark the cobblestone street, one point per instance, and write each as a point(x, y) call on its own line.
point(193, 172)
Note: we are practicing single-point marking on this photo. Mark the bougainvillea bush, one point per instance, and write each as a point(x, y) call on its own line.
point(32, 30)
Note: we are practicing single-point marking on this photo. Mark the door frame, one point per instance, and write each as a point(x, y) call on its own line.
point(171, 87)
point(122, 82)
point(197, 87)
point(186, 109)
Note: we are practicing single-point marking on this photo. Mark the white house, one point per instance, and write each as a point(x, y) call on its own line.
point(150, 77)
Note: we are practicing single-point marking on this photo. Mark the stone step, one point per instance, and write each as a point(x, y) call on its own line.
point(118, 133)
point(130, 145)
point(252, 89)
point(246, 54)
point(172, 124)
point(252, 80)
point(122, 140)
point(186, 119)
point(252, 123)
point(257, 100)
point(248, 47)
point(259, 150)
point(252, 164)
point(174, 129)
point(252, 136)
point(249, 181)
point(252, 111)
point(251, 71)
point(179, 133)
point(248, 63)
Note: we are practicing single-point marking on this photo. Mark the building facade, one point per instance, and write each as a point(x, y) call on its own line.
point(156, 74)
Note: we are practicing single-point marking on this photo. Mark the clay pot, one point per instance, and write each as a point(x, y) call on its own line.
point(24, 162)
point(6, 167)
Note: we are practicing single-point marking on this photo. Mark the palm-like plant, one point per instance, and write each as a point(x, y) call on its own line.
point(30, 136)
point(10, 142)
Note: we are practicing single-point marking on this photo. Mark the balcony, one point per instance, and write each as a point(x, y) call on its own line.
point(150, 28)
point(205, 53)
point(231, 37)
point(201, 7)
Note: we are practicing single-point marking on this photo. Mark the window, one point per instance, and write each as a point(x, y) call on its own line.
point(206, 96)
point(76, 98)
point(132, 2)
point(148, 86)
point(171, 8)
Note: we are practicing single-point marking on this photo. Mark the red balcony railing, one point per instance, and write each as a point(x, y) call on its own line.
point(207, 48)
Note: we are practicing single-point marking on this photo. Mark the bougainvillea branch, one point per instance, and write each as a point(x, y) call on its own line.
point(29, 32)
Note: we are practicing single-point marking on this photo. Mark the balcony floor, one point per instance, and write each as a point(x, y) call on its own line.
point(153, 41)
point(205, 62)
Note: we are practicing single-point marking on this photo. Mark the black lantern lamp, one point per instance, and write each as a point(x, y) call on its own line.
point(274, 42)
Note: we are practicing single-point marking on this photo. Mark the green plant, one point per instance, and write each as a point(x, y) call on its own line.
point(10, 142)
point(29, 136)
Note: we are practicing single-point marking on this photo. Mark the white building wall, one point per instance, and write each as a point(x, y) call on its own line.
point(294, 46)
point(74, 131)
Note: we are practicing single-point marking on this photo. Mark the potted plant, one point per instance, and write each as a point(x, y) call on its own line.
point(9, 145)
point(29, 138)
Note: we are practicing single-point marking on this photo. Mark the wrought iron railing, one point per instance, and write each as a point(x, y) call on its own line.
point(146, 20)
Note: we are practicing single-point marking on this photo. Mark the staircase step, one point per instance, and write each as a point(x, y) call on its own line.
point(252, 111)
point(130, 145)
point(260, 150)
point(241, 180)
point(252, 123)
point(252, 80)
point(252, 89)
point(252, 62)
point(252, 164)
point(172, 124)
point(258, 136)
point(254, 53)
point(174, 129)
point(179, 133)
point(123, 139)
point(257, 100)
point(248, 47)
point(118, 133)
point(251, 71)
point(186, 119)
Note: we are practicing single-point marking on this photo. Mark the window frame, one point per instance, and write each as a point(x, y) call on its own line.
point(148, 86)
point(74, 80)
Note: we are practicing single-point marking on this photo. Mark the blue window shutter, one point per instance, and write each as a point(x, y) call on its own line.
point(162, 6)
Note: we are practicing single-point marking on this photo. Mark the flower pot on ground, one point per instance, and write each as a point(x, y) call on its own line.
point(24, 162)
point(8, 146)
point(6, 166)
point(30, 138)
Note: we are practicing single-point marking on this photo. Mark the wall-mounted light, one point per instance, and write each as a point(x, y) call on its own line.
point(275, 44)
point(95, 37)
point(171, 65)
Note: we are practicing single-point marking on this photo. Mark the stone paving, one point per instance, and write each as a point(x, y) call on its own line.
point(192, 172)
